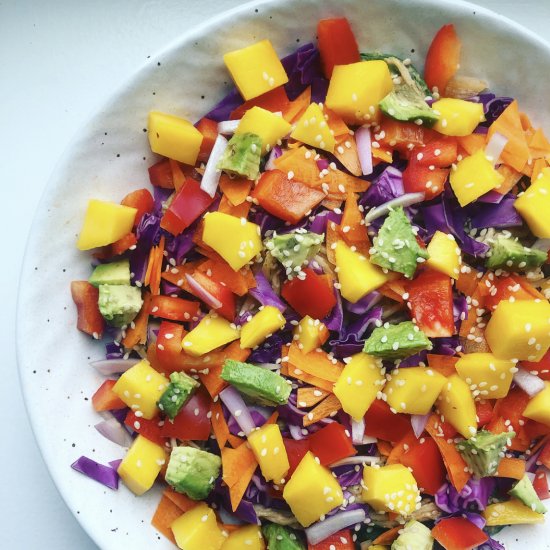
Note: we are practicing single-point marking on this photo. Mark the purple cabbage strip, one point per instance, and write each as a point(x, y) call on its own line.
point(319, 223)
point(473, 497)
point(270, 350)
point(223, 109)
point(335, 319)
point(302, 67)
point(265, 294)
point(106, 475)
point(499, 215)
point(387, 186)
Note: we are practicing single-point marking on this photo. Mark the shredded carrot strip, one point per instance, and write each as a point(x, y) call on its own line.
point(238, 466)
point(156, 270)
point(511, 467)
point(406, 443)
point(235, 189)
point(308, 396)
point(180, 500)
point(166, 513)
point(316, 363)
point(346, 152)
point(336, 124)
point(328, 407)
point(178, 177)
point(443, 364)
point(511, 177)
point(150, 265)
point(239, 282)
point(219, 425)
point(297, 108)
point(387, 537)
point(472, 143)
point(307, 378)
point(352, 228)
point(240, 211)
point(138, 334)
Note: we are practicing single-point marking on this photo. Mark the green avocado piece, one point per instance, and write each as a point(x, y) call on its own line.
point(395, 247)
point(396, 341)
point(114, 273)
point(482, 452)
point(406, 104)
point(242, 156)
point(119, 304)
point(294, 249)
point(282, 538)
point(523, 490)
point(177, 393)
point(192, 471)
point(510, 254)
point(264, 385)
point(414, 536)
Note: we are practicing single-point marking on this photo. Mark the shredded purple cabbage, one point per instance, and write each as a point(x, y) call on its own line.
point(473, 497)
point(223, 109)
point(302, 67)
point(499, 215)
point(388, 186)
point(265, 294)
point(106, 475)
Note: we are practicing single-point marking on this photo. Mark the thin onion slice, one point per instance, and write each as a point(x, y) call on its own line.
point(364, 149)
point(352, 460)
point(321, 530)
point(228, 127)
point(114, 431)
point(211, 176)
point(542, 244)
point(404, 200)
point(200, 292)
point(528, 382)
point(357, 431)
point(494, 148)
point(276, 152)
point(237, 407)
point(107, 367)
point(418, 423)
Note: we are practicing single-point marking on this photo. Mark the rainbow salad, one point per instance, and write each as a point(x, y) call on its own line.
point(327, 324)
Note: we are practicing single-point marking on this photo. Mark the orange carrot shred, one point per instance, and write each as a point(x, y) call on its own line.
point(239, 211)
point(156, 270)
point(219, 425)
point(511, 467)
point(400, 448)
point(443, 364)
point(387, 537)
point(183, 502)
point(166, 513)
point(348, 156)
point(137, 334)
point(309, 396)
point(316, 363)
point(328, 407)
point(297, 108)
point(238, 466)
point(178, 177)
point(235, 189)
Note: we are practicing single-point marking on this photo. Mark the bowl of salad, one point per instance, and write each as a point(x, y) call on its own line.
point(298, 291)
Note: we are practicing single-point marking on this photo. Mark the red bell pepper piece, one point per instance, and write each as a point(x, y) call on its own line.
point(440, 153)
point(275, 101)
point(544, 456)
point(220, 292)
point(289, 200)
point(442, 59)
point(431, 300)
point(85, 297)
point(169, 352)
point(540, 484)
point(209, 130)
point(160, 174)
point(427, 465)
point(295, 450)
point(420, 179)
point(484, 412)
point(381, 423)
point(541, 369)
point(105, 399)
point(511, 407)
point(191, 423)
point(150, 429)
point(331, 444)
point(142, 200)
point(341, 540)
point(311, 296)
point(337, 44)
point(174, 309)
point(458, 534)
point(188, 204)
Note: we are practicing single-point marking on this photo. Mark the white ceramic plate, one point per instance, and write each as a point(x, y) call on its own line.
point(111, 157)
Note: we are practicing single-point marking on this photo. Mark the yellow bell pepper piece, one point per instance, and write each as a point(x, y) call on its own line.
point(457, 117)
point(248, 537)
point(140, 387)
point(520, 330)
point(267, 321)
point(310, 333)
point(539, 407)
point(105, 223)
point(312, 491)
point(445, 254)
point(236, 240)
point(511, 512)
point(256, 69)
point(198, 529)
point(212, 332)
point(141, 465)
point(534, 205)
point(312, 129)
point(457, 406)
point(270, 452)
point(487, 376)
point(269, 126)
point(174, 137)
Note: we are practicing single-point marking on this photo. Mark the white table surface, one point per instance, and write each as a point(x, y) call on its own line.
point(60, 59)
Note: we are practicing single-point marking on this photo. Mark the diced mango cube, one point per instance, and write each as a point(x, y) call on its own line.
point(256, 69)
point(356, 274)
point(359, 384)
point(269, 126)
point(310, 333)
point(474, 176)
point(140, 387)
point(538, 407)
point(457, 117)
point(174, 137)
point(248, 537)
point(313, 129)
point(236, 240)
point(267, 321)
point(413, 390)
point(511, 512)
point(355, 90)
point(197, 529)
point(520, 330)
point(212, 332)
point(270, 452)
point(105, 223)
point(141, 465)
point(534, 205)
point(390, 489)
point(445, 254)
point(487, 376)
point(312, 491)
point(457, 406)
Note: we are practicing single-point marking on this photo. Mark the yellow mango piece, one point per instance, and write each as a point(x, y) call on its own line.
point(270, 452)
point(457, 406)
point(267, 321)
point(269, 126)
point(511, 512)
point(248, 537)
point(457, 116)
point(198, 529)
point(212, 332)
point(474, 176)
point(141, 465)
point(413, 390)
point(256, 69)
point(312, 129)
point(356, 274)
point(359, 384)
point(312, 491)
point(310, 333)
point(520, 330)
point(534, 205)
point(487, 376)
point(173, 137)
point(390, 489)
point(140, 387)
point(538, 407)
point(355, 90)
point(236, 240)
point(445, 254)
point(105, 223)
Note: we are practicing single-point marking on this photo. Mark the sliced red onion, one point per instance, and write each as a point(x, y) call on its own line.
point(531, 464)
point(211, 176)
point(228, 127)
point(494, 148)
point(528, 382)
point(296, 432)
point(357, 431)
point(237, 407)
point(364, 149)
point(542, 244)
point(404, 200)
point(351, 460)
point(276, 152)
point(113, 366)
point(268, 366)
point(115, 432)
point(418, 423)
point(200, 292)
point(322, 529)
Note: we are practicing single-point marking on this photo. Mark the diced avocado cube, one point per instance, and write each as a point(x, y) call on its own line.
point(511, 255)
point(264, 385)
point(192, 471)
point(414, 536)
point(396, 341)
point(294, 249)
point(119, 304)
point(484, 451)
point(114, 273)
point(280, 537)
point(407, 104)
point(523, 490)
point(177, 394)
point(242, 156)
point(395, 246)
